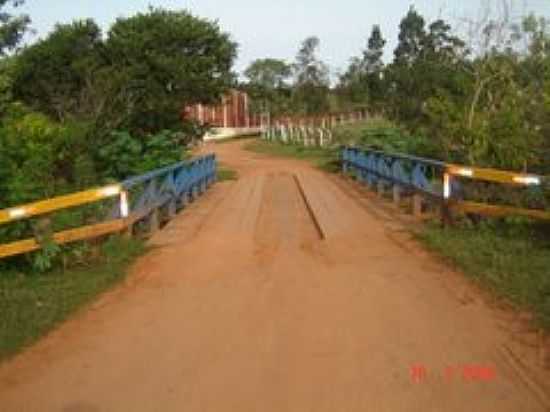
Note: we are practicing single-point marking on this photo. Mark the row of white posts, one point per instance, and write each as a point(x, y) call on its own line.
point(309, 131)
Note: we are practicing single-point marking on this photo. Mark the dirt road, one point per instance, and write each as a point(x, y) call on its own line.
point(282, 291)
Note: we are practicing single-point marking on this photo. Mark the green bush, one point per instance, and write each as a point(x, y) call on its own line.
point(381, 134)
point(125, 155)
point(41, 158)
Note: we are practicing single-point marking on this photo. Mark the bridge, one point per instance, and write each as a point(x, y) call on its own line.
point(287, 290)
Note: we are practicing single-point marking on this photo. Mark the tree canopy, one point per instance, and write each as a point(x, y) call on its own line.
point(311, 75)
point(267, 84)
point(139, 77)
point(12, 28)
point(58, 75)
point(163, 60)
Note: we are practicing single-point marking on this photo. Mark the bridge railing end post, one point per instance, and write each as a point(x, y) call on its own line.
point(397, 195)
point(154, 221)
point(417, 205)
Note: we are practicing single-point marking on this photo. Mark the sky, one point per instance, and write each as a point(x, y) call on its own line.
point(276, 28)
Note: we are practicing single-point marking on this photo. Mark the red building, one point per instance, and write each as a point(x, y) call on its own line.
point(232, 112)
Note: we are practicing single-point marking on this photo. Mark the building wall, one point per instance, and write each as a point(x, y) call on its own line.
point(233, 112)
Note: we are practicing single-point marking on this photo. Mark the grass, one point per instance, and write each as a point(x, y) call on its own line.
point(353, 133)
point(323, 158)
point(382, 134)
point(227, 174)
point(510, 258)
point(32, 305)
point(235, 138)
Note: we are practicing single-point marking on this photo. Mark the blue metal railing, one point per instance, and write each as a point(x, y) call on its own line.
point(170, 188)
point(409, 172)
point(151, 198)
point(449, 184)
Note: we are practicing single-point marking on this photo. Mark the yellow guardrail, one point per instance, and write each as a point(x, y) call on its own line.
point(433, 179)
point(162, 189)
point(491, 175)
point(55, 204)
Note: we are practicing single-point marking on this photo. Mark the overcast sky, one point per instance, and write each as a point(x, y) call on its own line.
point(275, 28)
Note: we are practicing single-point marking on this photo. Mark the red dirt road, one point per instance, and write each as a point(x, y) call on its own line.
point(248, 303)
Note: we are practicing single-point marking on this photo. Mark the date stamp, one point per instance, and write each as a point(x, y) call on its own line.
point(472, 373)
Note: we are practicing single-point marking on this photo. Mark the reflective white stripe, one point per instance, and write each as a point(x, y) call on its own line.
point(110, 191)
point(124, 206)
point(527, 180)
point(17, 213)
point(465, 172)
point(446, 186)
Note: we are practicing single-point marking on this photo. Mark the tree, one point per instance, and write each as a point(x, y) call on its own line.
point(440, 45)
point(374, 65)
point(12, 28)
point(60, 75)
point(404, 73)
point(363, 81)
point(372, 56)
point(425, 66)
point(311, 78)
point(412, 34)
point(267, 84)
point(352, 85)
point(164, 60)
point(268, 73)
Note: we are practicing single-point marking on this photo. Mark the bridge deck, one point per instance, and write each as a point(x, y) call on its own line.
point(277, 292)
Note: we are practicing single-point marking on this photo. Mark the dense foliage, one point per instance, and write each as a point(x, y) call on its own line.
point(483, 101)
point(79, 109)
point(479, 99)
point(12, 28)
point(267, 85)
point(162, 60)
point(268, 82)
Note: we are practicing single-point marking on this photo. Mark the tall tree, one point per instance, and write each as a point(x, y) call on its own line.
point(59, 75)
point(268, 85)
point(311, 78)
point(268, 73)
point(363, 80)
point(372, 56)
point(352, 87)
point(403, 73)
point(374, 65)
point(439, 44)
point(412, 34)
point(12, 28)
point(164, 60)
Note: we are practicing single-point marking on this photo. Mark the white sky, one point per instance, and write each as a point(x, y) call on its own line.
point(276, 28)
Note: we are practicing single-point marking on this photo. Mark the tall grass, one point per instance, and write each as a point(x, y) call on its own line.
point(510, 256)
